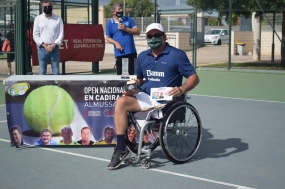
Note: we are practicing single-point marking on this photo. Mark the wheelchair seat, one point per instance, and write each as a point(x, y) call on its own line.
point(157, 113)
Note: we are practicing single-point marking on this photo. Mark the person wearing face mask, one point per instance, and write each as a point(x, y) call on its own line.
point(119, 32)
point(48, 35)
point(160, 66)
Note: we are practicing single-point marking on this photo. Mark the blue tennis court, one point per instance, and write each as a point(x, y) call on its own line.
point(242, 147)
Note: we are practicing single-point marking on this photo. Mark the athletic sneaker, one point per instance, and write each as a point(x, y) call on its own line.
point(118, 158)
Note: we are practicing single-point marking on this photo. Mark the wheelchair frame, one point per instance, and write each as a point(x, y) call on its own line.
point(173, 128)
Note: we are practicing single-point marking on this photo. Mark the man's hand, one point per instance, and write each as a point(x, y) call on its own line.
point(130, 93)
point(121, 26)
point(175, 91)
point(48, 48)
point(116, 44)
point(119, 47)
point(189, 84)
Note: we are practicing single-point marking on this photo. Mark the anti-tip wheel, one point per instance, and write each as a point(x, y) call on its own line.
point(145, 163)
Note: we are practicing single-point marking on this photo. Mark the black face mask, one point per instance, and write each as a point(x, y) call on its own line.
point(48, 9)
point(119, 14)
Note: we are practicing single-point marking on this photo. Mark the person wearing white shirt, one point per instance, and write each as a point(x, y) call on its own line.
point(48, 35)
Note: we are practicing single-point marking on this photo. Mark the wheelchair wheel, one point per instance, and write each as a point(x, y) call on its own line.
point(180, 132)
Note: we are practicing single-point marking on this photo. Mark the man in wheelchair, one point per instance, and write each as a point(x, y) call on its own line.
point(160, 66)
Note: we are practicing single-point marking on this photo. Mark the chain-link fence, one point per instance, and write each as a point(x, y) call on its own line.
point(253, 36)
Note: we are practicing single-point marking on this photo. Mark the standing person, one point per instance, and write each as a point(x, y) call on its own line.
point(119, 32)
point(48, 35)
point(160, 66)
point(85, 136)
point(46, 138)
point(2, 38)
point(11, 55)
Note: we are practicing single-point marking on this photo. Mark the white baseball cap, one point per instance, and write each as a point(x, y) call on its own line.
point(153, 26)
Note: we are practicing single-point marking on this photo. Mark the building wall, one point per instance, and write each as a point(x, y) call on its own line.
point(247, 38)
point(79, 15)
point(266, 43)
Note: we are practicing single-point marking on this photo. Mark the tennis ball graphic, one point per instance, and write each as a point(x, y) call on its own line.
point(48, 107)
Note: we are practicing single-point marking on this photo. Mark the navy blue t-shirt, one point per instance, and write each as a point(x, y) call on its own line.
point(125, 39)
point(166, 70)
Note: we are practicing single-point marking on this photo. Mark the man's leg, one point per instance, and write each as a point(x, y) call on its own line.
point(10, 59)
point(119, 65)
point(132, 63)
point(122, 106)
point(43, 56)
point(55, 57)
point(9, 68)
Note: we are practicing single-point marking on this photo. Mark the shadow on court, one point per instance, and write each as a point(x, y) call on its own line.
point(218, 148)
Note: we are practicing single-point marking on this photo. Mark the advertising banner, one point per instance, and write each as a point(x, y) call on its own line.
point(81, 42)
point(61, 112)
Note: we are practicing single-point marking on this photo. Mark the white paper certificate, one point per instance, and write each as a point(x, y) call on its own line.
point(160, 93)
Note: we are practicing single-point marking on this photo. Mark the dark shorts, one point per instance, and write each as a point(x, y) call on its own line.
point(10, 57)
point(131, 58)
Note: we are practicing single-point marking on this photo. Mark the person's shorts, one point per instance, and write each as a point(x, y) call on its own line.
point(131, 67)
point(10, 57)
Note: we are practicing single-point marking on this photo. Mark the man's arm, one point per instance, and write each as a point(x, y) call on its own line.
point(36, 32)
point(111, 40)
point(189, 84)
point(140, 81)
point(134, 31)
point(114, 42)
point(61, 32)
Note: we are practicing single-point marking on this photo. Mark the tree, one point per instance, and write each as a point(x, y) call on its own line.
point(213, 22)
point(243, 7)
point(140, 8)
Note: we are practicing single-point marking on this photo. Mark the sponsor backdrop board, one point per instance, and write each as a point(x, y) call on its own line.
point(34, 103)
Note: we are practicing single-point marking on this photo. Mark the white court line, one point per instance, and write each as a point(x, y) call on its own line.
point(156, 170)
point(2, 104)
point(3, 121)
point(235, 98)
point(202, 179)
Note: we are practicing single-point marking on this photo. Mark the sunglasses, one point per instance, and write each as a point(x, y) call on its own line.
point(157, 35)
point(47, 7)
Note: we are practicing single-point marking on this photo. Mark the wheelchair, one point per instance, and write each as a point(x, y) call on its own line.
point(178, 131)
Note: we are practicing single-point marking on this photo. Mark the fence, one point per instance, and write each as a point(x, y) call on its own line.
point(179, 32)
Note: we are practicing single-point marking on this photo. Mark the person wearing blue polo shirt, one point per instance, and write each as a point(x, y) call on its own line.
point(160, 66)
point(46, 138)
point(119, 32)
